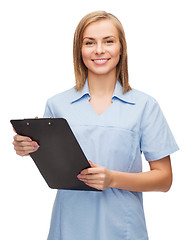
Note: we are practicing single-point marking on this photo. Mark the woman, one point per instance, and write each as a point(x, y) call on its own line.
point(114, 124)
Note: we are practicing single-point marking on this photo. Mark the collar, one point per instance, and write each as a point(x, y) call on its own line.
point(81, 93)
point(117, 94)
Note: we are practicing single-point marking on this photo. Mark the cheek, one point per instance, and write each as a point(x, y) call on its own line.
point(116, 52)
point(85, 54)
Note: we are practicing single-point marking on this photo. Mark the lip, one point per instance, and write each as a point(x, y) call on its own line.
point(100, 61)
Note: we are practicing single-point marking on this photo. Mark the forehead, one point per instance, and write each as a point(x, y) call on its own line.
point(100, 29)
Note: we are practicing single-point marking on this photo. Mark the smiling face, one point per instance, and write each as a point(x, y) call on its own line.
point(101, 48)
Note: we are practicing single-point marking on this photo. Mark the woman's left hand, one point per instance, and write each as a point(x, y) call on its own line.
point(97, 176)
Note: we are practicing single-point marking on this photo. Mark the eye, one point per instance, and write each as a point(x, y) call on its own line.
point(89, 43)
point(109, 41)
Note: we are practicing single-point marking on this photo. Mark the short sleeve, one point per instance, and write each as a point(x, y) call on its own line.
point(48, 112)
point(156, 139)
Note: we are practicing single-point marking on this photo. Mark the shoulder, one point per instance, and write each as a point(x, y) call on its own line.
point(149, 108)
point(143, 101)
point(63, 97)
point(141, 97)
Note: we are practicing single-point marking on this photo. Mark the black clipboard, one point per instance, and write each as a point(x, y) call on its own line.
point(59, 158)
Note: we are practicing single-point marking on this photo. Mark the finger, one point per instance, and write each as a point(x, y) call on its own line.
point(95, 186)
point(88, 176)
point(93, 182)
point(93, 170)
point(25, 152)
point(25, 148)
point(91, 164)
point(20, 138)
point(25, 144)
point(22, 154)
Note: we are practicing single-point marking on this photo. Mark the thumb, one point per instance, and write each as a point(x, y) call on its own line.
point(91, 164)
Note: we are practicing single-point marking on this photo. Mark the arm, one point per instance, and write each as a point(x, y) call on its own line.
point(159, 178)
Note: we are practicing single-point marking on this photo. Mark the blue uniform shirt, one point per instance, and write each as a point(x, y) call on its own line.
point(134, 123)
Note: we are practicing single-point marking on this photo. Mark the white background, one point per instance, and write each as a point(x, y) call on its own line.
point(36, 62)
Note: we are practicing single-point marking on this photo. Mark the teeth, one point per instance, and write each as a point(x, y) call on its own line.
point(100, 60)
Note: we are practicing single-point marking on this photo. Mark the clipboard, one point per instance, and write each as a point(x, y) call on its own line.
point(59, 158)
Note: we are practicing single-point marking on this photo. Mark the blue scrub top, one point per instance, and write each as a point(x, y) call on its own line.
point(134, 123)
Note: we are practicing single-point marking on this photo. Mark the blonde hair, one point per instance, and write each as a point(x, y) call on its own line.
point(79, 67)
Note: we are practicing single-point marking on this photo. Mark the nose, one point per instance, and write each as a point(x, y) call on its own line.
point(99, 48)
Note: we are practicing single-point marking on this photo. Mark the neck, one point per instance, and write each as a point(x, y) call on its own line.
point(101, 85)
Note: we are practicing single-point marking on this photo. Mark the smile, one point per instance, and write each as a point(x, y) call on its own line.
point(100, 61)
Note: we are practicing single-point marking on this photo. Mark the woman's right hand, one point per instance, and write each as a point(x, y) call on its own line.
point(24, 145)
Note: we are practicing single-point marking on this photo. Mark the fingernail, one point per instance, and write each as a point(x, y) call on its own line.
point(36, 145)
point(29, 140)
point(36, 148)
point(79, 177)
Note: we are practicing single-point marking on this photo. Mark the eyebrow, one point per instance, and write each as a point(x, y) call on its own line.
point(103, 38)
